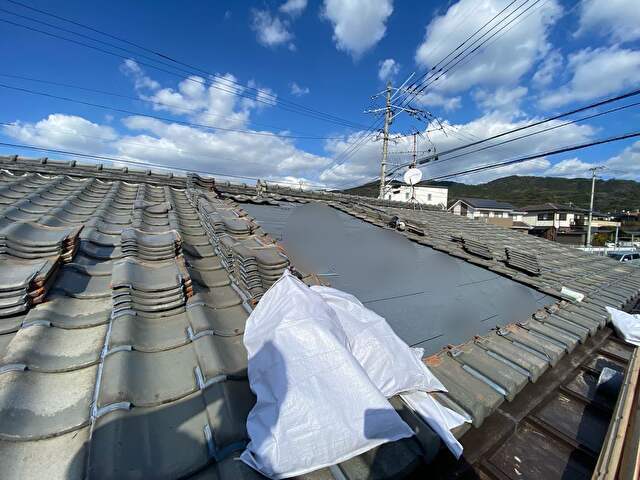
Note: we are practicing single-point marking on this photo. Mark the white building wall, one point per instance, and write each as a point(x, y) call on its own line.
point(425, 195)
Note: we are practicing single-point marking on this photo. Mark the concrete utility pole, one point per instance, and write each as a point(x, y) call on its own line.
point(415, 153)
point(388, 116)
point(593, 188)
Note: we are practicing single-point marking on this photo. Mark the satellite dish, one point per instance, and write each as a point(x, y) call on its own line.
point(412, 176)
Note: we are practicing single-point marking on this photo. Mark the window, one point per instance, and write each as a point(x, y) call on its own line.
point(562, 216)
point(545, 216)
point(428, 197)
point(407, 195)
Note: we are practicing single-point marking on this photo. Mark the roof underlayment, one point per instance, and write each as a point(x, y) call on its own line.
point(428, 297)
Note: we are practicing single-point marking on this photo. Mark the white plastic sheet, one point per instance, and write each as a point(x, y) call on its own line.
point(391, 365)
point(316, 405)
point(626, 324)
point(440, 418)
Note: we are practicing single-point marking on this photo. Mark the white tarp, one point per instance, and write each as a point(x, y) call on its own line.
point(626, 324)
point(438, 417)
point(316, 405)
point(391, 365)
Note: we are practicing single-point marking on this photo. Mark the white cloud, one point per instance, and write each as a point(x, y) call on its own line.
point(364, 165)
point(388, 69)
point(60, 131)
point(626, 164)
point(150, 140)
point(358, 25)
point(433, 99)
point(271, 31)
point(596, 73)
point(502, 62)
point(492, 124)
point(214, 101)
point(570, 168)
point(299, 91)
point(504, 100)
point(617, 19)
point(293, 7)
point(548, 69)
point(131, 69)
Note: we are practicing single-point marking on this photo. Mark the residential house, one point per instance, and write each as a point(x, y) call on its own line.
point(490, 211)
point(565, 223)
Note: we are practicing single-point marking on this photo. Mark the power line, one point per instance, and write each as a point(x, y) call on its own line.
point(137, 99)
point(272, 97)
point(169, 58)
point(535, 124)
point(406, 100)
point(419, 80)
point(158, 117)
point(467, 52)
point(261, 96)
point(140, 163)
point(537, 132)
point(571, 148)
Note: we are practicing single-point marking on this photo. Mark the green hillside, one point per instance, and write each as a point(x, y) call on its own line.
point(611, 195)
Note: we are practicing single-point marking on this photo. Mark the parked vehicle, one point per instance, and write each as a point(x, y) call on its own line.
point(626, 257)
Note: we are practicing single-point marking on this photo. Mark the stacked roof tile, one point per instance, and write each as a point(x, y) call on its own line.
point(126, 357)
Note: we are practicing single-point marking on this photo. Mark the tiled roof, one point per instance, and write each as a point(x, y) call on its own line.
point(557, 207)
point(486, 203)
point(123, 297)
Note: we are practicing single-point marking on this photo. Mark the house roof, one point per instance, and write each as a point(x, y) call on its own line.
point(554, 207)
point(124, 296)
point(486, 203)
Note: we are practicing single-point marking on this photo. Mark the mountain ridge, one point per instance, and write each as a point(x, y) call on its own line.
point(520, 191)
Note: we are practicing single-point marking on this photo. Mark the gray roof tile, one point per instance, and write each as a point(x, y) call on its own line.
point(164, 278)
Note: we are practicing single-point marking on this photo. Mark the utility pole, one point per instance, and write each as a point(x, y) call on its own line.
point(413, 163)
point(593, 188)
point(390, 111)
point(388, 117)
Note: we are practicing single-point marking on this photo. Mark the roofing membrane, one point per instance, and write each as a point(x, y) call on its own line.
point(123, 303)
point(428, 297)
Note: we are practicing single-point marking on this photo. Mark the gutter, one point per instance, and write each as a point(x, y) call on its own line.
point(620, 454)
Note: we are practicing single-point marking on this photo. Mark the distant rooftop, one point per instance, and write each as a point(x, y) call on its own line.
point(486, 203)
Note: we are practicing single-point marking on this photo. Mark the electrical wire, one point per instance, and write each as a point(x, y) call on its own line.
point(261, 96)
point(170, 58)
point(139, 99)
point(158, 117)
point(566, 149)
point(144, 164)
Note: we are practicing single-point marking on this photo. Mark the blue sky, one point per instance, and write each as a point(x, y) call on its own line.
point(330, 56)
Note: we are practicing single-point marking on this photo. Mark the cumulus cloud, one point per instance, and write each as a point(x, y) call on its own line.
point(358, 25)
point(293, 7)
point(433, 99)
point(596, 73)
point(548, 69)
point(271, 30)
point(626, 164)
point(364, 165)
point(503, 61)
point(62, 131)
point(503, 100)
point(570, 168)
point(141, 81)
point(617, 19)
point(149, 140)
point(213, 101)
point(299, 91)
point(388, 69)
